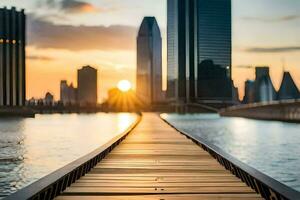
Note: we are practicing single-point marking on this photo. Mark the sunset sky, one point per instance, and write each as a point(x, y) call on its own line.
point(64, 35)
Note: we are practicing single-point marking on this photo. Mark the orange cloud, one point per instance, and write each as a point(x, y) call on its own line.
point(45, 34)
point(75, 6)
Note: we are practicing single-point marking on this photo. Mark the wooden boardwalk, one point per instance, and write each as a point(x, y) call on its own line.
point(155, 162)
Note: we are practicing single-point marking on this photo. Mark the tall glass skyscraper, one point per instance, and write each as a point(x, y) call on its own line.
point(12, 57)
point(149, 62)
point(172, 45)
point(199, 31)
point(214, 32)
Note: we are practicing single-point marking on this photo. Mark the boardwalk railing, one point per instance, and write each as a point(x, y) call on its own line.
point(53, 184)
point(266, 186)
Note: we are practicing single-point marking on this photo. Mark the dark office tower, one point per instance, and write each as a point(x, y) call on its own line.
point(182, 49)
point(214, 43)
point(87, 86)
point(288, 88)
point(198, 30)
point(149, 62)
point(12, 57)
point(172, 48)
point(214, 32)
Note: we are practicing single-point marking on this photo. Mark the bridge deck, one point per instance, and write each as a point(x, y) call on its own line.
point(157, 162)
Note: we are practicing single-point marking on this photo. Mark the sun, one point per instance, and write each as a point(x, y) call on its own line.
point(124, 85)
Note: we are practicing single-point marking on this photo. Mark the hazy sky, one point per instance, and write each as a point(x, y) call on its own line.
point(63, 35)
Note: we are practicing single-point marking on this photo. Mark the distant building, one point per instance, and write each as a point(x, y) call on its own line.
point(68, 94)
point(72, 94)
point(49, 99)
point(32, 102)
point(87, 86)
point(249, 92)
point(261, 72)
point(197, 30)
point(12, 57)
point(264, 88)
point(288, 89)
point(64, 92)
point(149, 62)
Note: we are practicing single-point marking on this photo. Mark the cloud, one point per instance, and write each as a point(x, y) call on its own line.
point(75, 6)
point(45, 34)
point(270, 20)
point(273, 49)
point(244, 66)
point(39, 57)
point(70, 6)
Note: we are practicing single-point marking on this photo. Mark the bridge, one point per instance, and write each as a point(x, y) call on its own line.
point(288, 110)
point(154, 161)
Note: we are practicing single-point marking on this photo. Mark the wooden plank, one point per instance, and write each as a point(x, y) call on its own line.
point(157, 180)
point(167, 197)
point(156, 190)
point(157, 184)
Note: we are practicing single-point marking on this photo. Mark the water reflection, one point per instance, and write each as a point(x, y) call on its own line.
point(271, 147)
point(123, 119)
point(32, 148)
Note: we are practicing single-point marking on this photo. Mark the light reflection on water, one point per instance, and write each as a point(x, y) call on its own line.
point(32, 148)
point(269, 146)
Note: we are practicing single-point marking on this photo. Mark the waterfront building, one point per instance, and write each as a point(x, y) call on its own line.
point(261, 89)
point(49, 99)
point(288, 88)
point(264, 88)
point(197, 30)
point(182, 49)
point(64, 92)
point(249, 92)
point(149, 62)
point(68, 94)
point(12, 57)
point(87, 86)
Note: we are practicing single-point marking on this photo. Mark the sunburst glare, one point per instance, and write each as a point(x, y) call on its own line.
point(124, 85)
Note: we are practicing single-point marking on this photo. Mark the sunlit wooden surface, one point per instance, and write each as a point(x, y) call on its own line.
point(155, 162)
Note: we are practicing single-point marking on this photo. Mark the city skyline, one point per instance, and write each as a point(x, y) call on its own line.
point(261, 36)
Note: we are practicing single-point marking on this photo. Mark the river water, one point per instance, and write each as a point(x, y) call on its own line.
point(33, 148)
point(271, 147)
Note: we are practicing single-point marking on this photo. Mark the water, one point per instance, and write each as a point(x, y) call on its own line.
point(33, 148)
point(271, 147)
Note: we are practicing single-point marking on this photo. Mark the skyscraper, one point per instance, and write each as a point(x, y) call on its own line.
point(12, 57)
point(182, 49)
point(87, 86)
point(264, 88)
point(198, 30)
point(214, 32)
point(288, 88)
point(172, 45)
point(149, 62)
